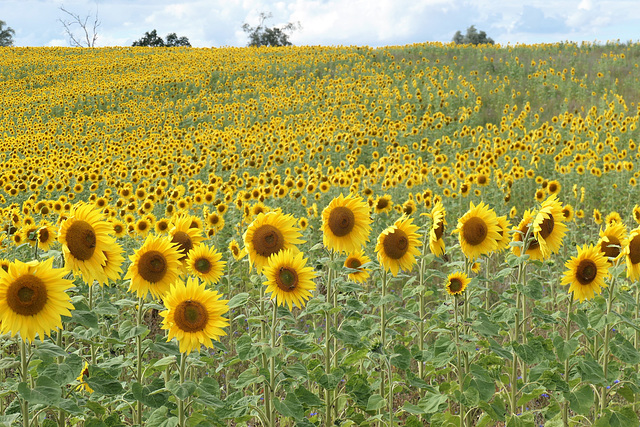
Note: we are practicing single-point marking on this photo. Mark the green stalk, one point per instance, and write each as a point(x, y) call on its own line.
point(272, 362)
point(567, 337)
point(60, 359)
point(330, 297)
point(265, 363)
point(24, 365)
point(181, 415)
point(605, 355)
point(92, 346)
point(390, 395)
point(514, 366)
point(458, 356)
point(139, 359)
point(383, 334)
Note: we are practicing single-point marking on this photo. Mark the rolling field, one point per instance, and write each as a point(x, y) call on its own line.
point(443, 235)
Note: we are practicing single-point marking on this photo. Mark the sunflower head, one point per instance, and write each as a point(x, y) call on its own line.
point(436, 231)
point(354, 263)
point(206, 263)
point(346, 224)
point(289, 280)
point(586, 273)
point(456, 283)
point(269, 234)
point(478, 231)
point(84, 374)
point(398, 245)
point(185, 235)
point(632, 255)
point(154, 267)
point(613, 239)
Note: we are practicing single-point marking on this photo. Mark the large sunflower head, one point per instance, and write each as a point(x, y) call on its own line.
point(548, 226)
point(84, 236)
point(269, 234)
point(456, 283)
point(33, 298)
point(354, 262)
point(194, 315)
point(398, 245)
point(632, 255)
point(586, 273)
point(613, 239)
point(289, 280)
point(154, 267)
point(184, 235)
point(113, 263)
point(206, 263)
point(436, 231)
point(478, 231)
point(346, 224)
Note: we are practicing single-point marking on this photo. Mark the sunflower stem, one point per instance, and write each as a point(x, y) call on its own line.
point(514, 366)
point(265, 364)
point(329, 340)
point(458, 355)
point(272, 361)
point(60, 359)
point(605, 355)
point(139, 359)
point(383, 332)
point(24, 367)
point(183, 365)
point(567, 337)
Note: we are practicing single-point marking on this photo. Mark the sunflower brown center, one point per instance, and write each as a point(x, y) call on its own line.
point(382, 203)
point(353, 263)
point(81, 240)
point(287, 279)
point(267, 240)
point(439, 230)
point(117, 228)
point(341, 221)
point(191, 316)
point(586, 271)
point(202, 265)
point(610, 249)
point(27, 295)
point(634, 250)
point(455, 286)
point(142, 226)
point(546, 228)
point(474, 231)
point(396, 244)
point(152, 266)
point(184, 243)
point(43, 235)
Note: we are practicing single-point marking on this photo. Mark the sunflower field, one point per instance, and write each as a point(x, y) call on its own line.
point(423, 235)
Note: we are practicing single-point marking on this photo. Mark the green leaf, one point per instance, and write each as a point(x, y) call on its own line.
point(617, 417)
point(46, 392)
point(529, 396)
point(238, 300)
point(94, 422)
point(485, 327)
point(158, 418)
point(245, 348)
point(375, 402)
point(9, 363)
point(533, 289)
point(289, 407)
point(181, 391)
point(524, 420)
point(105, 309)
point(47, 350)
point(564, 349)
point(413, 409)
point(432, 402)
point(88, 319)
point(297, 370)
point(149, 395)
point(248, 377)
point(303, 344)
point(102, 382)
point(591, 371)
point(8, 420)
point(359, 388)
point(581, 400)
point(307, 398)
point(401, 358)
point(624, 350)
point(170, 348)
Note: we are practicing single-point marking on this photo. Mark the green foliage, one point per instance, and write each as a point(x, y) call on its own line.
point(151, 39)
point(472, 37)
point(269, 36)
point(6, 35)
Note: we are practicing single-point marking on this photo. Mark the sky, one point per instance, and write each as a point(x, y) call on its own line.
point(374, 23)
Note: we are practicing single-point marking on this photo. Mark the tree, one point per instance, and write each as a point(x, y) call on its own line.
point(6, 36)
point(90, 34)
point(273, 36)
point(151, 39)
point(472, 37)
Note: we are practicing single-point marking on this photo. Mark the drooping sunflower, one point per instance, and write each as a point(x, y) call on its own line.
point(184, 235)
point(636, 214)
point(354, 262)
point(478, 231)
point(85, 236)
point(613, 239)
point(81, 379)
point(237, 253)
point(436, 231)
point(521, 231)
point(505, 226)
point(346, 224)
point(632, 255)
point(456, 283)
point(288, 279)
point(269, 234)
point(398, 245)
point(46, 235)
point(206, 263)
point(33, 299)
point(194, 315)
point(154, 267)
point(548, 226)
point(597, 216)
point(586, 273)
point(113, 263)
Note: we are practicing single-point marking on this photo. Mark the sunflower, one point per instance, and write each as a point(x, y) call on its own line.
point(81, 379)
point(456, 283)
point(505, 226)
point(632, 255)
point(194, 315)
point(478, 231)
point(206, 263)
point(84, 236)
point(237, 253)
point(612, 217)
point(268, 234)
point(46, 235)
point(585, 273)
point(548, 226)
point(154, 267)
point(162, 226)
point(354, 262)
point(288, 279)
point(597, 216)
point(119, 228)
point(383, 204)
point(613, 239)
point(567, 213)
point(436, 231)
point(113, 263)
point(636, 213)
point(33, 299)
point(184, 235)
point(521, 231)
point(142, 227)
point(398, 245)
point(346, 224)
point(553, 187)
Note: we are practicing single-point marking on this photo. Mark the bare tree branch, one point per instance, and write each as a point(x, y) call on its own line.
point(90, 35)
